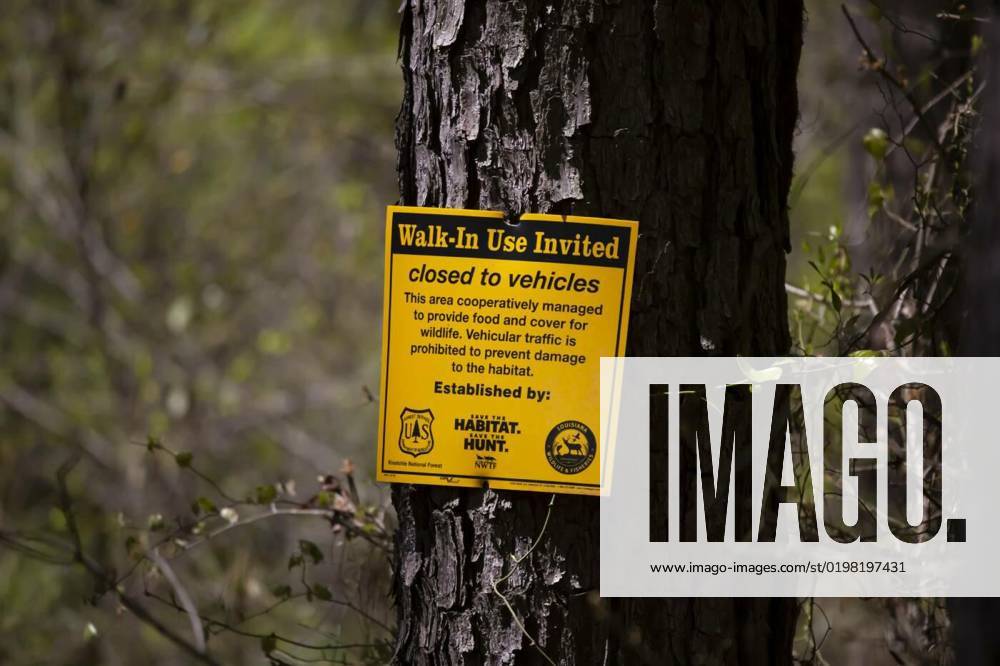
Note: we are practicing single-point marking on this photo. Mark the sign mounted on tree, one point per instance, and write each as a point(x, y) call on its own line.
point(492, 338)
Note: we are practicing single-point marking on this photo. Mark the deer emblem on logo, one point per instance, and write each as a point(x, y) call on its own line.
point(574, 443)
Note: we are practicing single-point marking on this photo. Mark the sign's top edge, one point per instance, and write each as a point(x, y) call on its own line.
point(530, 217)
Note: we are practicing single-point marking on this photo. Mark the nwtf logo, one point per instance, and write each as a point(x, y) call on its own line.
point(794, 477)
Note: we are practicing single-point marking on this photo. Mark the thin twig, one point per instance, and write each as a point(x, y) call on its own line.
point(934, 101)
point(517, 561)
point(197, 630)
point(879, 66)
point(234, 629)
point(860, 304)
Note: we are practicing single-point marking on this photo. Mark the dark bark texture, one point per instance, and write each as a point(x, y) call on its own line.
point(677, 114)
point(974, 621)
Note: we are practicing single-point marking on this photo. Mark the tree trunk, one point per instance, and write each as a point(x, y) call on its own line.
point(677, 114)
point(974, 620)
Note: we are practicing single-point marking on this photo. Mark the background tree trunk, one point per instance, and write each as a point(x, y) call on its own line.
point(678, 114)
point(974, 621)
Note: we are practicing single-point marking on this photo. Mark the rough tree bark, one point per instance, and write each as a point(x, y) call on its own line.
point(679, 114)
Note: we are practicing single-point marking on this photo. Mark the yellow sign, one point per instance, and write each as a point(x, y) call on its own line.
point(491, 344)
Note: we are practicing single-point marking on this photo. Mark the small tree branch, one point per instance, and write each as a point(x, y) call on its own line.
point(879, 66)
point(197, 630)
point(103, 579)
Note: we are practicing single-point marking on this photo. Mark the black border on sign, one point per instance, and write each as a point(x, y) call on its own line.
point(388, 333)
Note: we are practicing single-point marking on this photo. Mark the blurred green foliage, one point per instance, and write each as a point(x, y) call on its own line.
point(190, 193)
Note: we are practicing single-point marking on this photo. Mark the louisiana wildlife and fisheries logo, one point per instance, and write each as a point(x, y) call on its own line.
point(416, 436)
point(570, 447)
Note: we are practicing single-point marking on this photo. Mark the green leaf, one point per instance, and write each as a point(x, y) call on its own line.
point(311, 550)
point(179, 314)
point(282, 591)
point(266, 494)
point(268, 643)
point(876, 142)
point(323, 499)
point(321, 592)
point(977, 44)
point(155, 522)
point(294, 561)
point(906, 329)
point(89, 631)
point(878, 196)
point(835, 298)
point(274, 342)
point(203, 505)
point(57, 519)
point(152, 443)
point(184, 458)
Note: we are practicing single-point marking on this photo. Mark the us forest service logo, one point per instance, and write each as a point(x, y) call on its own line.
point(570, 447)
point(416, 436)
